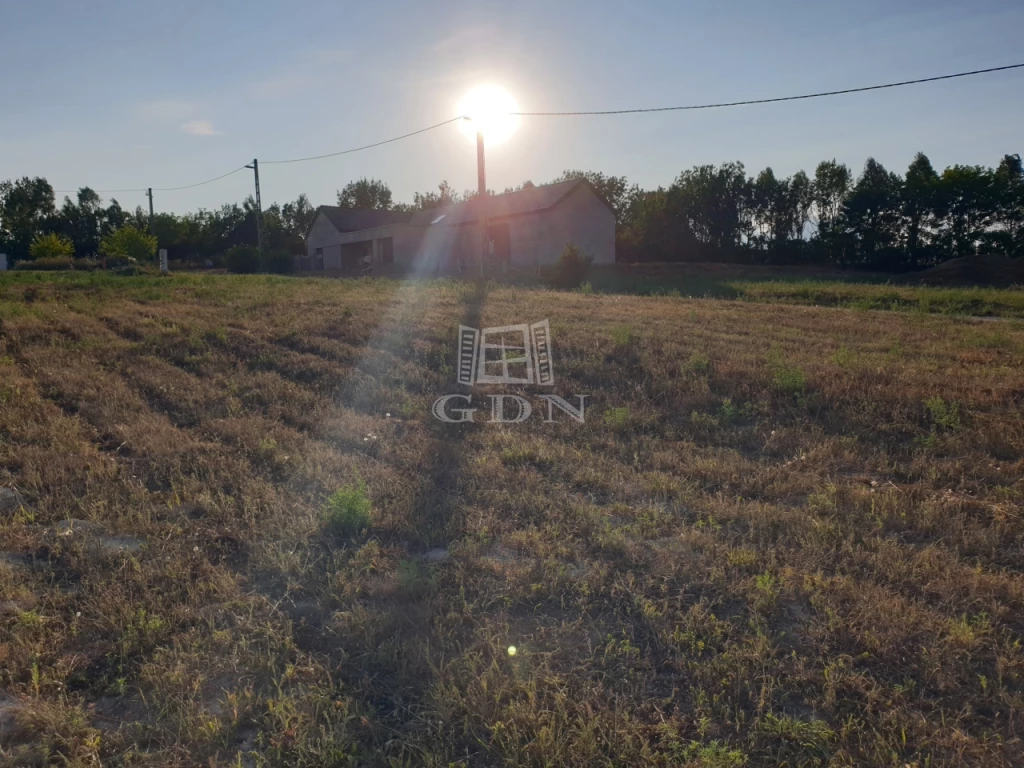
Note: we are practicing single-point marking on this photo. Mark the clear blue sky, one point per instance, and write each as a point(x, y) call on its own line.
point(112, 93)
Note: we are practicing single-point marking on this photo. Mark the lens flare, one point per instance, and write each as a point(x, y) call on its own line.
point(488, 108)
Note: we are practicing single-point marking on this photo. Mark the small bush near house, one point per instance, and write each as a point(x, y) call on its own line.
point(279, 262)
point(242, 260)
point(572, 268)
point(348, 510)
point(51, 246)
point(129, 243)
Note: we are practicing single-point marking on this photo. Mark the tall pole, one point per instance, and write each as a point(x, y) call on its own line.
point(149, 192)
point(481, 180)
point(259, 206)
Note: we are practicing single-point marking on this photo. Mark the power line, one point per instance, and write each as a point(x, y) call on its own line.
point(201, 183)
point(776, 99)
point(367, 146)
point(585, 113)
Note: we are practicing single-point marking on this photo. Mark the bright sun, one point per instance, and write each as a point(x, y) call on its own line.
point(488, 107)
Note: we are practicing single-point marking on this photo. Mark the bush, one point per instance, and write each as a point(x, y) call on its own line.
point(128, 242)
point(572, 268)
point(242, 260)
point(347, 512)
point(48, 264)
point(279, 262)
point(51, 246)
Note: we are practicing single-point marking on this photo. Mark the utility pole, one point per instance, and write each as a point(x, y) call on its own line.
point(259, 206)
point(149, 193)
point(481, 180)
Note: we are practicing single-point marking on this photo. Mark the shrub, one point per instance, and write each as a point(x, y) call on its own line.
point(128, 242)
point(279, 262)
point(242, 260)
point(572, 268)
point(348, 510)
point(47, 264)
point(623, 336)
point(943, 414)
point(51, 246)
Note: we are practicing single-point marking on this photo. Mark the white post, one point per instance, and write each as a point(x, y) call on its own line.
point(3, 262)
point(163, 260)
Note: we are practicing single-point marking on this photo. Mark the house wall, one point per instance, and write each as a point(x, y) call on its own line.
point(584, 219)
point(321, 235)
point(404, 237)
point(536, 238)
point(581, 218)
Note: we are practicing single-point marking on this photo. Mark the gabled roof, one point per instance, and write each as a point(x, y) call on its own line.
point(352, 219)
point(530, 200)
point(509, 204)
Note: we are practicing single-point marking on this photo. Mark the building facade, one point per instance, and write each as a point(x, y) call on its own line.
point(526, 228)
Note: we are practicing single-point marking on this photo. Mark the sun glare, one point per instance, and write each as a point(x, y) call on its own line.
point(488, 108)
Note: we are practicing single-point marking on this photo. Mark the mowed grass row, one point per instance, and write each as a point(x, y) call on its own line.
point(784, 534)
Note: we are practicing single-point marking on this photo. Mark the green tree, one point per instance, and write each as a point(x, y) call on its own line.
point(711, 208)
point(51, 246)
point(829, 189)
point(967, 208)
point(366, 194)
point(129, 243)
point(646, 233)
point(872, 216)
point(920, 187)
point(81, 220)
point(297, 217)
point(26, 208)
point(1008, 221)
point(445, 195)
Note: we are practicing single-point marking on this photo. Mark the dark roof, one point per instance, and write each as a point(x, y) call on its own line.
point(352, 219)
point(509, 204)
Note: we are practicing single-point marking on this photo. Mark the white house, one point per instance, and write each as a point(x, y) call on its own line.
point(526, 228)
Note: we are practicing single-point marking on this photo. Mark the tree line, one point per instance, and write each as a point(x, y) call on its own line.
point(878, 220)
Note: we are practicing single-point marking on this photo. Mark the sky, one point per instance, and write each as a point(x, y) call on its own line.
point(116, 94)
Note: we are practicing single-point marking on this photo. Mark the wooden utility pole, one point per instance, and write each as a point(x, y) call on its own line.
point(259, 206)
point(149, 193)
point(481, 180)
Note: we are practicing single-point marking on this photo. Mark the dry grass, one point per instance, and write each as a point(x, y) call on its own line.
point(785, 534)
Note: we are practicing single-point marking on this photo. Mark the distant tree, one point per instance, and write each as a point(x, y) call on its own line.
point(26, 209)
point(801, 190)
point(1008, 188)
point(129, 243)
point(51, 246)
point(919, 199)
point(366, 194)
point(646, 233)
point(445, 195)
point(298, 217)
point(967, 206)
point(80, 220)
point(772, 212)
point(710, 207)
point(871, 214)
point(829, 189)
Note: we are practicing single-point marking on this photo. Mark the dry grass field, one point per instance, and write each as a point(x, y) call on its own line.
point(232, 534)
